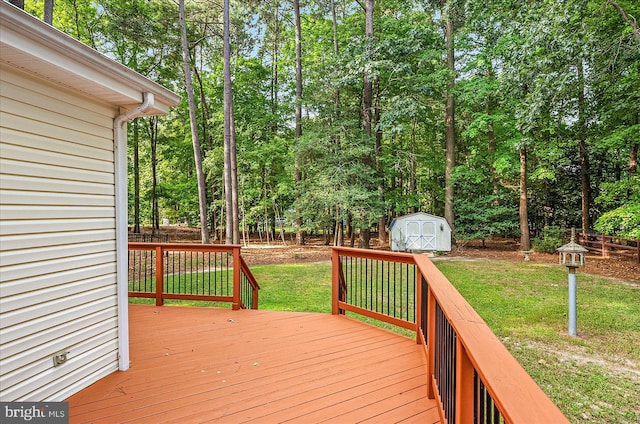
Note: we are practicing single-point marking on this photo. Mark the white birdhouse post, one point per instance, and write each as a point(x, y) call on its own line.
point(572, 256)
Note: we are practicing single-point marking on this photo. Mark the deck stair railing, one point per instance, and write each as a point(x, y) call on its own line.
point(469, 371)
point(184, 271)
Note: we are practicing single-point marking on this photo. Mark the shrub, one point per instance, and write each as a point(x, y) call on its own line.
point(551, 239)
point(623, 222)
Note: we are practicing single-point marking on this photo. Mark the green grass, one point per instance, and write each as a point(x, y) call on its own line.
point(294, 287)
point(593, 377)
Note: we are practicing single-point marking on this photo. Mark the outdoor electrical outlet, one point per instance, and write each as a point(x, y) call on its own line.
point(60, 358)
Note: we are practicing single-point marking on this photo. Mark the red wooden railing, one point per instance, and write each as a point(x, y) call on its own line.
point(470, 372)
point(182, 271)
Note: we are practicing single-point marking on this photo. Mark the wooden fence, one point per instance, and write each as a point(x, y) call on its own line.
point(472, 375)
point(611, 245)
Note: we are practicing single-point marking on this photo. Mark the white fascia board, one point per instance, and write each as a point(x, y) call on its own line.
point(38, 48)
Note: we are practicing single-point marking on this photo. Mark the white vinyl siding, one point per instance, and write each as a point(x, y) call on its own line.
point(57, 239)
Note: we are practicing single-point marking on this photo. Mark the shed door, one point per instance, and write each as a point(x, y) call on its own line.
point(421, 235)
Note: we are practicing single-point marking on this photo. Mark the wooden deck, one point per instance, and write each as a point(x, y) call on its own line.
point(193, 365)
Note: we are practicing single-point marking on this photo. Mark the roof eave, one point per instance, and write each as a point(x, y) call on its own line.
point(35, 47)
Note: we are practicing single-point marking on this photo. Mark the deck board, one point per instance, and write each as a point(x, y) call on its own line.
point(195, 365)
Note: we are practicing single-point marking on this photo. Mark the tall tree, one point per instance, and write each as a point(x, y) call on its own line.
point(155, 208)
point(367, 108)
point(298, 173)
point(450, 138)
point(232, 235)
point(525, 241)
point(338, 239)
point(197, 153)
point(585, 183)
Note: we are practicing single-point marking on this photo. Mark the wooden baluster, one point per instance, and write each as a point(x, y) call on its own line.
point(431, 342)
point(159, 276)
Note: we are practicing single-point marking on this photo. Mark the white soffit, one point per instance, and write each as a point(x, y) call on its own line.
point(35, 47)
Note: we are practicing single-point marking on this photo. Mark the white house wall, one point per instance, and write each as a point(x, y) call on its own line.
point(57, 239)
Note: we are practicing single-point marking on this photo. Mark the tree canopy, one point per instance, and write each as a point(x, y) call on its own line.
point(369, 138)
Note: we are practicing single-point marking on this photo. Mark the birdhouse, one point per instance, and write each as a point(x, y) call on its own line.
point(572, 254)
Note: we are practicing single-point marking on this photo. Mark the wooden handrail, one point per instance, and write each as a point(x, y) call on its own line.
point(196, 247)
point(517, 396)
point(477, 350)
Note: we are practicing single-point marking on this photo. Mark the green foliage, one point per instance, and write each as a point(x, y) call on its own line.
point(550, 241)
point(517, 84)
point(618, 193)
point(483, 218)
point(623, 221)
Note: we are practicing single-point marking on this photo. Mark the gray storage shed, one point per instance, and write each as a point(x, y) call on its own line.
point(420, 232)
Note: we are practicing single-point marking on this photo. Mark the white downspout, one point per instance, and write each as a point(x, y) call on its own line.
point(122, 218)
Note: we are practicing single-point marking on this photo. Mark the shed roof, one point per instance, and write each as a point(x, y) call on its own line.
point(38, 48)
point(417, 215)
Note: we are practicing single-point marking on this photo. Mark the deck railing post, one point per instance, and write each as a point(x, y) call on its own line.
point(418, 306)
point(464, 385)
point(236, 278)
point(431, 342)
point(159, 276)
point(335, 281)
point(254, 298)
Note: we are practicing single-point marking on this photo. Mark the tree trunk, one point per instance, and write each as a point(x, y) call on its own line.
point(349, 230)
point(298, 174)
point(450, 138)
point(336, 50)
point(491, 136)
point(584, 154)
point(48, 11)
point(364, 238)
point(274, 70)
point(338, 239)
point(413, 178)
point(229, 139)
point(155, 212)
point(17, 3)
point(367, 108)
point(633, 152)
point(197, 153)
point(136, 177)
point(235, 191)
point(525, 242)
point(382, 220)
point(367, 90)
